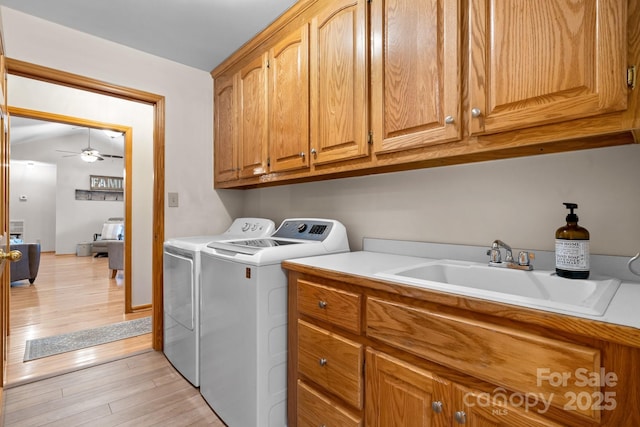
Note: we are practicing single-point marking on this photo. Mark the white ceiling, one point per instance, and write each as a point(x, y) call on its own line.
point(50, 142)
point(198, 33)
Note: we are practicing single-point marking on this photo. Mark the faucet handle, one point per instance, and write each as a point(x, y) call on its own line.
point(524, 258)
point(494, 254)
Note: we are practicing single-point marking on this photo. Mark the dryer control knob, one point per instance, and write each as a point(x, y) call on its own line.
point(302, 227)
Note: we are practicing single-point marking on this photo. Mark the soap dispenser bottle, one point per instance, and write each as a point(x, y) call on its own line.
point(572, 248)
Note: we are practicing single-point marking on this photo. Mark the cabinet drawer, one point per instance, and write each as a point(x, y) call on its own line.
point(331, 361)
point(335, 306)
point(315, 409)
point(520, 361)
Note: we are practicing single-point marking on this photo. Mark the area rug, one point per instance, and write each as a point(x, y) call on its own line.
point(48, 346)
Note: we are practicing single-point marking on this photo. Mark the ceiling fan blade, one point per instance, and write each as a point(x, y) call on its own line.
point(64, 151)
point(112, 156)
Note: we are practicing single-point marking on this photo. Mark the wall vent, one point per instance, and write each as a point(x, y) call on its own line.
point(16, 228)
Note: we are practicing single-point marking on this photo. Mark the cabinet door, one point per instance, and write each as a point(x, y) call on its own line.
point(475, 409)
point(252, 109)
point(289, 102)
point(542, 61)
point(415, 77)
point(339, 82)
point(225, 143)
point(399, 394)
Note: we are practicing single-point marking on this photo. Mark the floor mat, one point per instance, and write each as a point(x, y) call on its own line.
point(48, 346)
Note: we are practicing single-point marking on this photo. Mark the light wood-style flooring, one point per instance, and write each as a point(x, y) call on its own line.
point(119, 383)
point(69, 294)
point(142, 390)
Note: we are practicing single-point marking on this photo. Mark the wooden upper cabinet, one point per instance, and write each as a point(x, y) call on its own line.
point(339, 82)
point(225, 128)
point(535, 62)
point(415, 73)
point(289, 102)
point(252, 110)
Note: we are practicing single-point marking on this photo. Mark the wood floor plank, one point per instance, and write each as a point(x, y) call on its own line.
point(90, 415)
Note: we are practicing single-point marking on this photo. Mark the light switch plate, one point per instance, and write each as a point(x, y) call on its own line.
point(173, 200)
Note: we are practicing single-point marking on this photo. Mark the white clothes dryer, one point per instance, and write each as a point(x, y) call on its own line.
point(243, 333)
point(181, 292)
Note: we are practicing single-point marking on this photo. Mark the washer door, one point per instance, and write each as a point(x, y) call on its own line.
point(179, 289)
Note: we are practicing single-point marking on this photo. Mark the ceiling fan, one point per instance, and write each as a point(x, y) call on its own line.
point(89, 154)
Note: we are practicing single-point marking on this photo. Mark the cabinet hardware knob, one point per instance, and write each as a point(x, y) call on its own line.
point(461, 417)
point(436, 406)
point(449, 120)
point(313, 151)
point(322, 304)
point(475, 112)
point(302, 154)
point(323, 361)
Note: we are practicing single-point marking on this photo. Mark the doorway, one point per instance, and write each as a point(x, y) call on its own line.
point(35, 72)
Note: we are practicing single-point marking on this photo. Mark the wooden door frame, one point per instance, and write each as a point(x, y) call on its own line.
point(128, 205)
point(50, 75)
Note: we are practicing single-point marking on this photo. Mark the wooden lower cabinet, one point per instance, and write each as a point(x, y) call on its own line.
point(400, 394)
point(475, 410)
point(331, 361)
point(414, 363)
point(316, 409)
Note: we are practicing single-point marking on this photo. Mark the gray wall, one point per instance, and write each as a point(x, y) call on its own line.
point(516, 200)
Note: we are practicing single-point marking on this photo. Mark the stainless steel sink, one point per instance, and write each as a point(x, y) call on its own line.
point(537, 289)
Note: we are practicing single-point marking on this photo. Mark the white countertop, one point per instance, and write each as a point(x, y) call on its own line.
point(622, 310)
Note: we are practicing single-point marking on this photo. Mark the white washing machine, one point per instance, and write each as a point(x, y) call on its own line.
point(243, 332)
point(181, 290)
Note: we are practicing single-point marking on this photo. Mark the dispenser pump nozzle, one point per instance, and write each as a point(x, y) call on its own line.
point(571, 217)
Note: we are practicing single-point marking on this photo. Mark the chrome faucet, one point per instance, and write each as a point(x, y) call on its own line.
point(495, 257)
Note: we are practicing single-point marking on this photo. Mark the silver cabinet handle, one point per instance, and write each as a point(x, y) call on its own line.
point(313, 151)
point(461, 417)
point(436, 406)
point(475, 112)
point(322, 304)
point(449, 120)
point(302, 154)
point(323, 361)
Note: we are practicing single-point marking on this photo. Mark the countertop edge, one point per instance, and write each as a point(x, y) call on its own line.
point(590, 328)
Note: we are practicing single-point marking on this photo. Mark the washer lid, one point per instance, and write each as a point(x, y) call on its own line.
point(294, 238)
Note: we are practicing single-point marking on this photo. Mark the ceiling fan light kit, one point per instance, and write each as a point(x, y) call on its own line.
point(90, 156)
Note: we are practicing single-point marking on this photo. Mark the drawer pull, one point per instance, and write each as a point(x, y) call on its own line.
point(461, 417)
point(436, 406)
point(323, 361)
point(322, 304)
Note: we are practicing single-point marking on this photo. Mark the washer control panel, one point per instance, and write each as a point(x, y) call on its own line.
point(306, 229)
